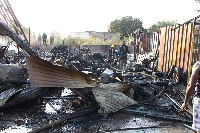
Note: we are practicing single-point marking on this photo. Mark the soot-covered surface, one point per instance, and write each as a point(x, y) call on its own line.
point(32, 115)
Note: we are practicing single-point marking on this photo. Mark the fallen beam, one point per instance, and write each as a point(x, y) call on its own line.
point(157, 115)
point(5, 30)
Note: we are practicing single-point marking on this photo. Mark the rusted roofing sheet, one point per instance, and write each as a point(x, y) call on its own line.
point(44, 74)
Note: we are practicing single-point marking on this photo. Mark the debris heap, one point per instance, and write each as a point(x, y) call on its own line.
point(111, 100)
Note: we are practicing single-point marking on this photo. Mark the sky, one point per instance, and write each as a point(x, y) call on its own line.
point(66, 16)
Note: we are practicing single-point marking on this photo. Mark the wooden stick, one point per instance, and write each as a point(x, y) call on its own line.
point(162, 116)
point(134, 128)
point(177, 104)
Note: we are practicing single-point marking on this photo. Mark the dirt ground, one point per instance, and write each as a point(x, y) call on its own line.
point(31, 115)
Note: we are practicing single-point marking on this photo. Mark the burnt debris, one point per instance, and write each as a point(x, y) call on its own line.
point(95, 79)
point(137, 86)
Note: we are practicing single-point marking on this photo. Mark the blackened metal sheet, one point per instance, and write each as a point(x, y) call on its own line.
point(44, 74)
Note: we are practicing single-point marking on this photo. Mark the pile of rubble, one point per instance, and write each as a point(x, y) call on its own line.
point(137, 89)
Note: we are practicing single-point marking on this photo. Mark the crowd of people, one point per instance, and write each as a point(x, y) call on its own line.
point(42, 39)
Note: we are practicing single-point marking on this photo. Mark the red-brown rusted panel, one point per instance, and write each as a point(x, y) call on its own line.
point(172, 36)
point(161, 49)
point(167, 48)
point(175, 46)
point(141, 45)
point(179, 46)
point(144, 43)
point(183, 46)
point(44, 74)
point(188, 51)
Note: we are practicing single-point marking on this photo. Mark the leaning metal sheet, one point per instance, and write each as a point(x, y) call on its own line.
point(44, 74)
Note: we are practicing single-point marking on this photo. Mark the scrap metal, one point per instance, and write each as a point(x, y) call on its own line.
point(44, 74)
point(15, 37)
point(9, 18)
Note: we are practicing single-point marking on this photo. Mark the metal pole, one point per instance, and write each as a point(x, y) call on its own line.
point(15, 19)
point(29, 37)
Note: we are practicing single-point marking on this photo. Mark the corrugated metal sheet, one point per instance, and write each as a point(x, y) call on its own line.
point(148, 42)
point(44, 74)
point(175, 47)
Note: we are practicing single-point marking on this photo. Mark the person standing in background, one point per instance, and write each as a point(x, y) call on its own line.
point(123, 55)
point(44, 38)
point(39, 39)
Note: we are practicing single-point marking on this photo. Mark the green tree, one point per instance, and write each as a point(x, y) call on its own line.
point(167, 23)
point(154, 27)
point(88, 41)
point(58, 40)
point(74, 40)
point(93, 41)
point(126, 26)
point(114, 41)
point(26, 31)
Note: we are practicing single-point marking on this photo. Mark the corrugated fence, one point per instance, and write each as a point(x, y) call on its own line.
point(179, 46)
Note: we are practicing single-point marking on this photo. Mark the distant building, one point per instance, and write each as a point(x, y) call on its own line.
point(79, 34)
point(103, 35)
